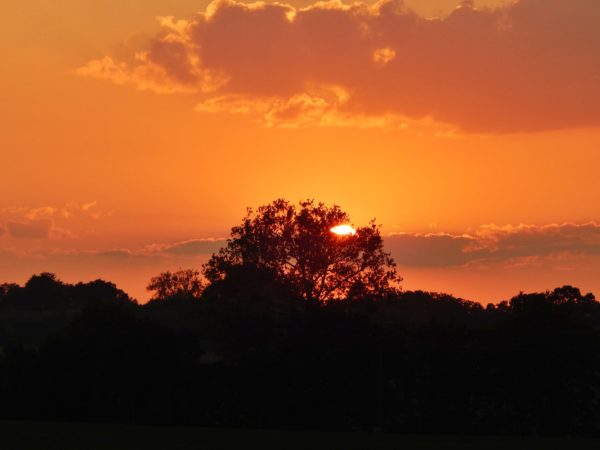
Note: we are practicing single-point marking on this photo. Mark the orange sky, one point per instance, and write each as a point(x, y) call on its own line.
point(473, 137)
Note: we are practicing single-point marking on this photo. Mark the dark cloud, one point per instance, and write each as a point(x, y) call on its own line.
point(195, 247)
point(493, 243)
point(112, 254)
point(530, 65)
point(34, 229)
point(429, 249)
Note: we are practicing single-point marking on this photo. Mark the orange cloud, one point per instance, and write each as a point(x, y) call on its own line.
point(41, 222)
point(528, 66)
point(69, 210)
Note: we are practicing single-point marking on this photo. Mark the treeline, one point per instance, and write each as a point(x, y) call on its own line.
point(248, 351)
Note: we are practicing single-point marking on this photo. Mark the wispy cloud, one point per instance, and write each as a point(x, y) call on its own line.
point(41, 222)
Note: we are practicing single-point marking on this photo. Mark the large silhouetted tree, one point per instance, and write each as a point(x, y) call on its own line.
point(297, 245)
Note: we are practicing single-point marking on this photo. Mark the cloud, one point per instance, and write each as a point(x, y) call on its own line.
point(521, 244)
point(530, 65)
point(540, 240)
point(26, 213)
point(324, 108)
point(193, 250)
point(46, 222)
point(71, 209)
point(34, 229)
point(509, 246)
point(195, 247)
point(488, 263)
point(429, 249)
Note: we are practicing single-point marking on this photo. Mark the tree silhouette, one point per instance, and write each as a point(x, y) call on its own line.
point(184, 284)
point(297, 245)
point(42, 291)
point(251, 354)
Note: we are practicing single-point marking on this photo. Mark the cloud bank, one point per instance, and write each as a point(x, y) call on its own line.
point(531, 65)
point(491, 262)
point(506, 244)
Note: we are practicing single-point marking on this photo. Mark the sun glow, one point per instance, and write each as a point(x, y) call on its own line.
point(343, 230)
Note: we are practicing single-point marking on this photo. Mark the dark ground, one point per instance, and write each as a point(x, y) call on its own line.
point(63, 436)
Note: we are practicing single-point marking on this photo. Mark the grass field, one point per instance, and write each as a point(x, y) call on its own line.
point(60, 436)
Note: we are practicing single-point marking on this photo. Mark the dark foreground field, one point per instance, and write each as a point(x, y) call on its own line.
point(60, 436)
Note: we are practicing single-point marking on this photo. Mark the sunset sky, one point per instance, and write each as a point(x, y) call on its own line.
point(134, 134)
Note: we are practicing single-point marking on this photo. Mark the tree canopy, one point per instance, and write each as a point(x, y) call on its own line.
point(183, 284)
point(295, 242)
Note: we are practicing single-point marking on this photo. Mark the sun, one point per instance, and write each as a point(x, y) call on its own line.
point(343, 230)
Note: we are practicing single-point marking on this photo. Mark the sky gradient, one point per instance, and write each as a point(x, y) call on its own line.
point(134, 135)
